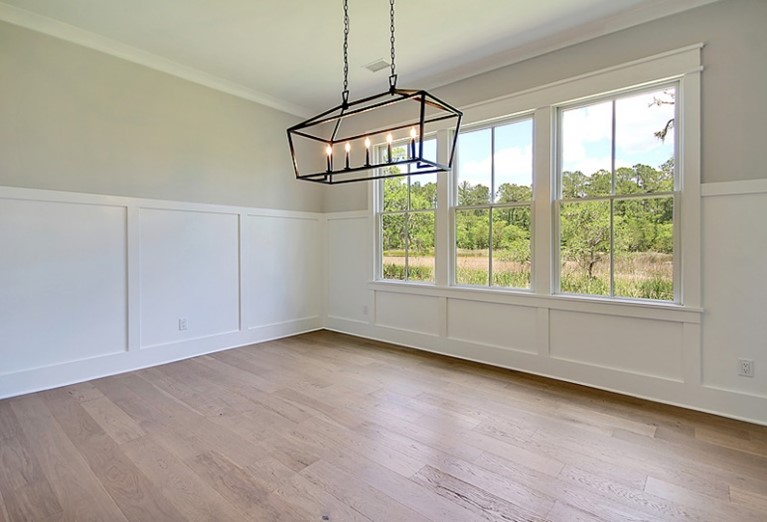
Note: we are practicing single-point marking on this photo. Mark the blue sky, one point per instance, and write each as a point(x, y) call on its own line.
point(586, 141)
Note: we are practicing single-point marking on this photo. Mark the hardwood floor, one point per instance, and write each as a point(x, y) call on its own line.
point(329, 427)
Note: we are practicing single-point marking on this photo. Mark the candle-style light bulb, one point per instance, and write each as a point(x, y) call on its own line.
point(348, 149)
point(388, 146)
point(412, 142)
point(367, 151)
point(329, 152)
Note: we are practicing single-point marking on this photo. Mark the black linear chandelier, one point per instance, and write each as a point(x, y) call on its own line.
point(398, 118)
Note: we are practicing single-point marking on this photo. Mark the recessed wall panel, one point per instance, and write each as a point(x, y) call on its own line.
point(348, 270)
point(414, 313)
point(642, 346)
point(498, 325)
point(189, 265)
point(63, 283)
point(284, 257)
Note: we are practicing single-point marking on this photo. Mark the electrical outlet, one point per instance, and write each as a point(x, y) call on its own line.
point(182, 324)
point(364, 309)
point(746, 367)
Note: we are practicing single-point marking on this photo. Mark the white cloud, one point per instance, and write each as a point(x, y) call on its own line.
point(586, 133)
point(512, 165)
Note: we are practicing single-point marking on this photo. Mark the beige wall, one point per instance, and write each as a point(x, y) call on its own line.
point(733, 83)
point(75, 119)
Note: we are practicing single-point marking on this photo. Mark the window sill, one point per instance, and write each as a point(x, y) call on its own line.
point(573, 303)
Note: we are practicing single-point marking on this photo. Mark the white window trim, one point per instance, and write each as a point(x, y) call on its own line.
point(681, 65)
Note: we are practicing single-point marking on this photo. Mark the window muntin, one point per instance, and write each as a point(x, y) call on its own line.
point(617, 196)
point(407, 219)
point(492, 206)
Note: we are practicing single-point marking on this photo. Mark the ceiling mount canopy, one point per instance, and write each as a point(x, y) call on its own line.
point(376, 137)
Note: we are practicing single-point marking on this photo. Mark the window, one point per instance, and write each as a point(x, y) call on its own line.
point(583, 190)
point(406, 220)
point(616, 196)
point(493, 197)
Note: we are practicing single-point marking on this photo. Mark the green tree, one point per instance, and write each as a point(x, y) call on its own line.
point(585, 233)
point(511, 192)
point(471, 195)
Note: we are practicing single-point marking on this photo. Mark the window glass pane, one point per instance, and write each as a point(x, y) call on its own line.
point(393, 245)
point(513, 167)
point(585, 247)
point(421, 246)
point(644, 248)
point(394, 194)
point(586, 160)
point(511, 247)
point(474, 167)
point(644, 142)
point(423, 187)
point(399, 152)
point(472, 234)
point(423, 191)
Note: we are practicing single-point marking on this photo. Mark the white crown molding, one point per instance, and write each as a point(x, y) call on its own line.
point(644, 13)
point(70, 33)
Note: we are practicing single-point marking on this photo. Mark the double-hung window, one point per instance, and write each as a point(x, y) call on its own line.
point(492, 212)
point(406, 219)
point(617, 196)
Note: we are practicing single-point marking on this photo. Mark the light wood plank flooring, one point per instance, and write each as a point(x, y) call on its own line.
point(329, 427)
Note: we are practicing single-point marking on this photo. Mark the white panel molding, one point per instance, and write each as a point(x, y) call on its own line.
point(63, 262)
point(734, 188)
point(339, 319)
point(492, 324)
point(134, 278)
point(616, 369)
point(70, 33)
point(72, 367)
point(189, 266)
point(403, 313)
point(709, 399)
point(353, 214)
point(285, 261)
point(308, 319)
point(683, 387)
point(742, 393)
point(657, 311)
point(544, 332)
point(186, 340)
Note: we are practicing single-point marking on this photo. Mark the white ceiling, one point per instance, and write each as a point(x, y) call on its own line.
point(287, 53)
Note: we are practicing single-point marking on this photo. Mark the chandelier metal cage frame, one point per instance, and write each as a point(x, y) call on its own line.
point(349, 123)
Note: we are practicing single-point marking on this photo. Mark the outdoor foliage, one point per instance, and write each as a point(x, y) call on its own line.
point(642, 233)
point(641, 229)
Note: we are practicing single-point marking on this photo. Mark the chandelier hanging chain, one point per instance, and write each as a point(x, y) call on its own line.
point(347, 138)
point(345, 93)
point(393, 77)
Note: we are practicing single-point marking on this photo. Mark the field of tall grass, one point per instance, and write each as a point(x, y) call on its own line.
point(645, 275)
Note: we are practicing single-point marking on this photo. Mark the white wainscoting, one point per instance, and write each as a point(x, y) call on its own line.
point(630, 344)
point(735, 286)
point(677, 356)
point(285, 265)
point(493, 324)
point(62, 282)
point(189, 268)
point(95, 285)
